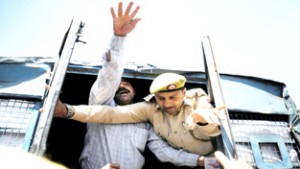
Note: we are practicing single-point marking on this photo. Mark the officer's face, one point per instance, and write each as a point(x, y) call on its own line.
point(170, 102)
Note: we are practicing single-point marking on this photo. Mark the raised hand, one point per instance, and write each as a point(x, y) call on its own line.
point(123, 23)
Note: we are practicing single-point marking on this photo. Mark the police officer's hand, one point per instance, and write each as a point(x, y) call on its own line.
point(123, 23)
point(60, 109)
point(207, 116)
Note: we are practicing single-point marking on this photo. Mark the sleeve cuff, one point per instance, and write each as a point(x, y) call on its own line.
point(117, 43)
point(191, 160)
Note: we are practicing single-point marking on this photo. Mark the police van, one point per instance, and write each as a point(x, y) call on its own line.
point(261, 125)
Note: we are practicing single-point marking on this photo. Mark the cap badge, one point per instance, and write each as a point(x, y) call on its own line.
point(171, 87)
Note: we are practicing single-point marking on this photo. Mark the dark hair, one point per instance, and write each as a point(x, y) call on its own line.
point(131, 81)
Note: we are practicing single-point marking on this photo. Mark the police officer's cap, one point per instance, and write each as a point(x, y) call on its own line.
point(167, 82)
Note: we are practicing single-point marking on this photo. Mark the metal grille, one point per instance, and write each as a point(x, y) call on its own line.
point(15, 117)
point(244, 125)
point(270, 152)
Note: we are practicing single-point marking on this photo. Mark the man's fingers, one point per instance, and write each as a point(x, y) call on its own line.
point(112, 11)
point(128, 9)
point(120, 9)
point(111, 166)
point(222, 158)
point(41, 110)
point(135, 21)
point(115, 165)
point(135, 11)
point(221, 108)
point(219, 112)
point(228, 164)
point(47, 87)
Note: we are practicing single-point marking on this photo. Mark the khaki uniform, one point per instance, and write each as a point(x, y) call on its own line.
point(172, 128)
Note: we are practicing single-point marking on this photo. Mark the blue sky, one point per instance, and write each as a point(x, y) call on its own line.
point(250, 37)
point(31, 27)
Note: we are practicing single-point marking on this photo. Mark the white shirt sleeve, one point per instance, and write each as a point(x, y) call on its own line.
point(109, 77)
point(165, 153)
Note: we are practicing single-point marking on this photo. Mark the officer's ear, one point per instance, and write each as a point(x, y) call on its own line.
point(184, 91)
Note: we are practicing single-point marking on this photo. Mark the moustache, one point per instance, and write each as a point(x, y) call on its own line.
point(122, 90)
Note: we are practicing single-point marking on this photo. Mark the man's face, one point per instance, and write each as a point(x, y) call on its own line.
point(125, 93)
point(170, 102)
